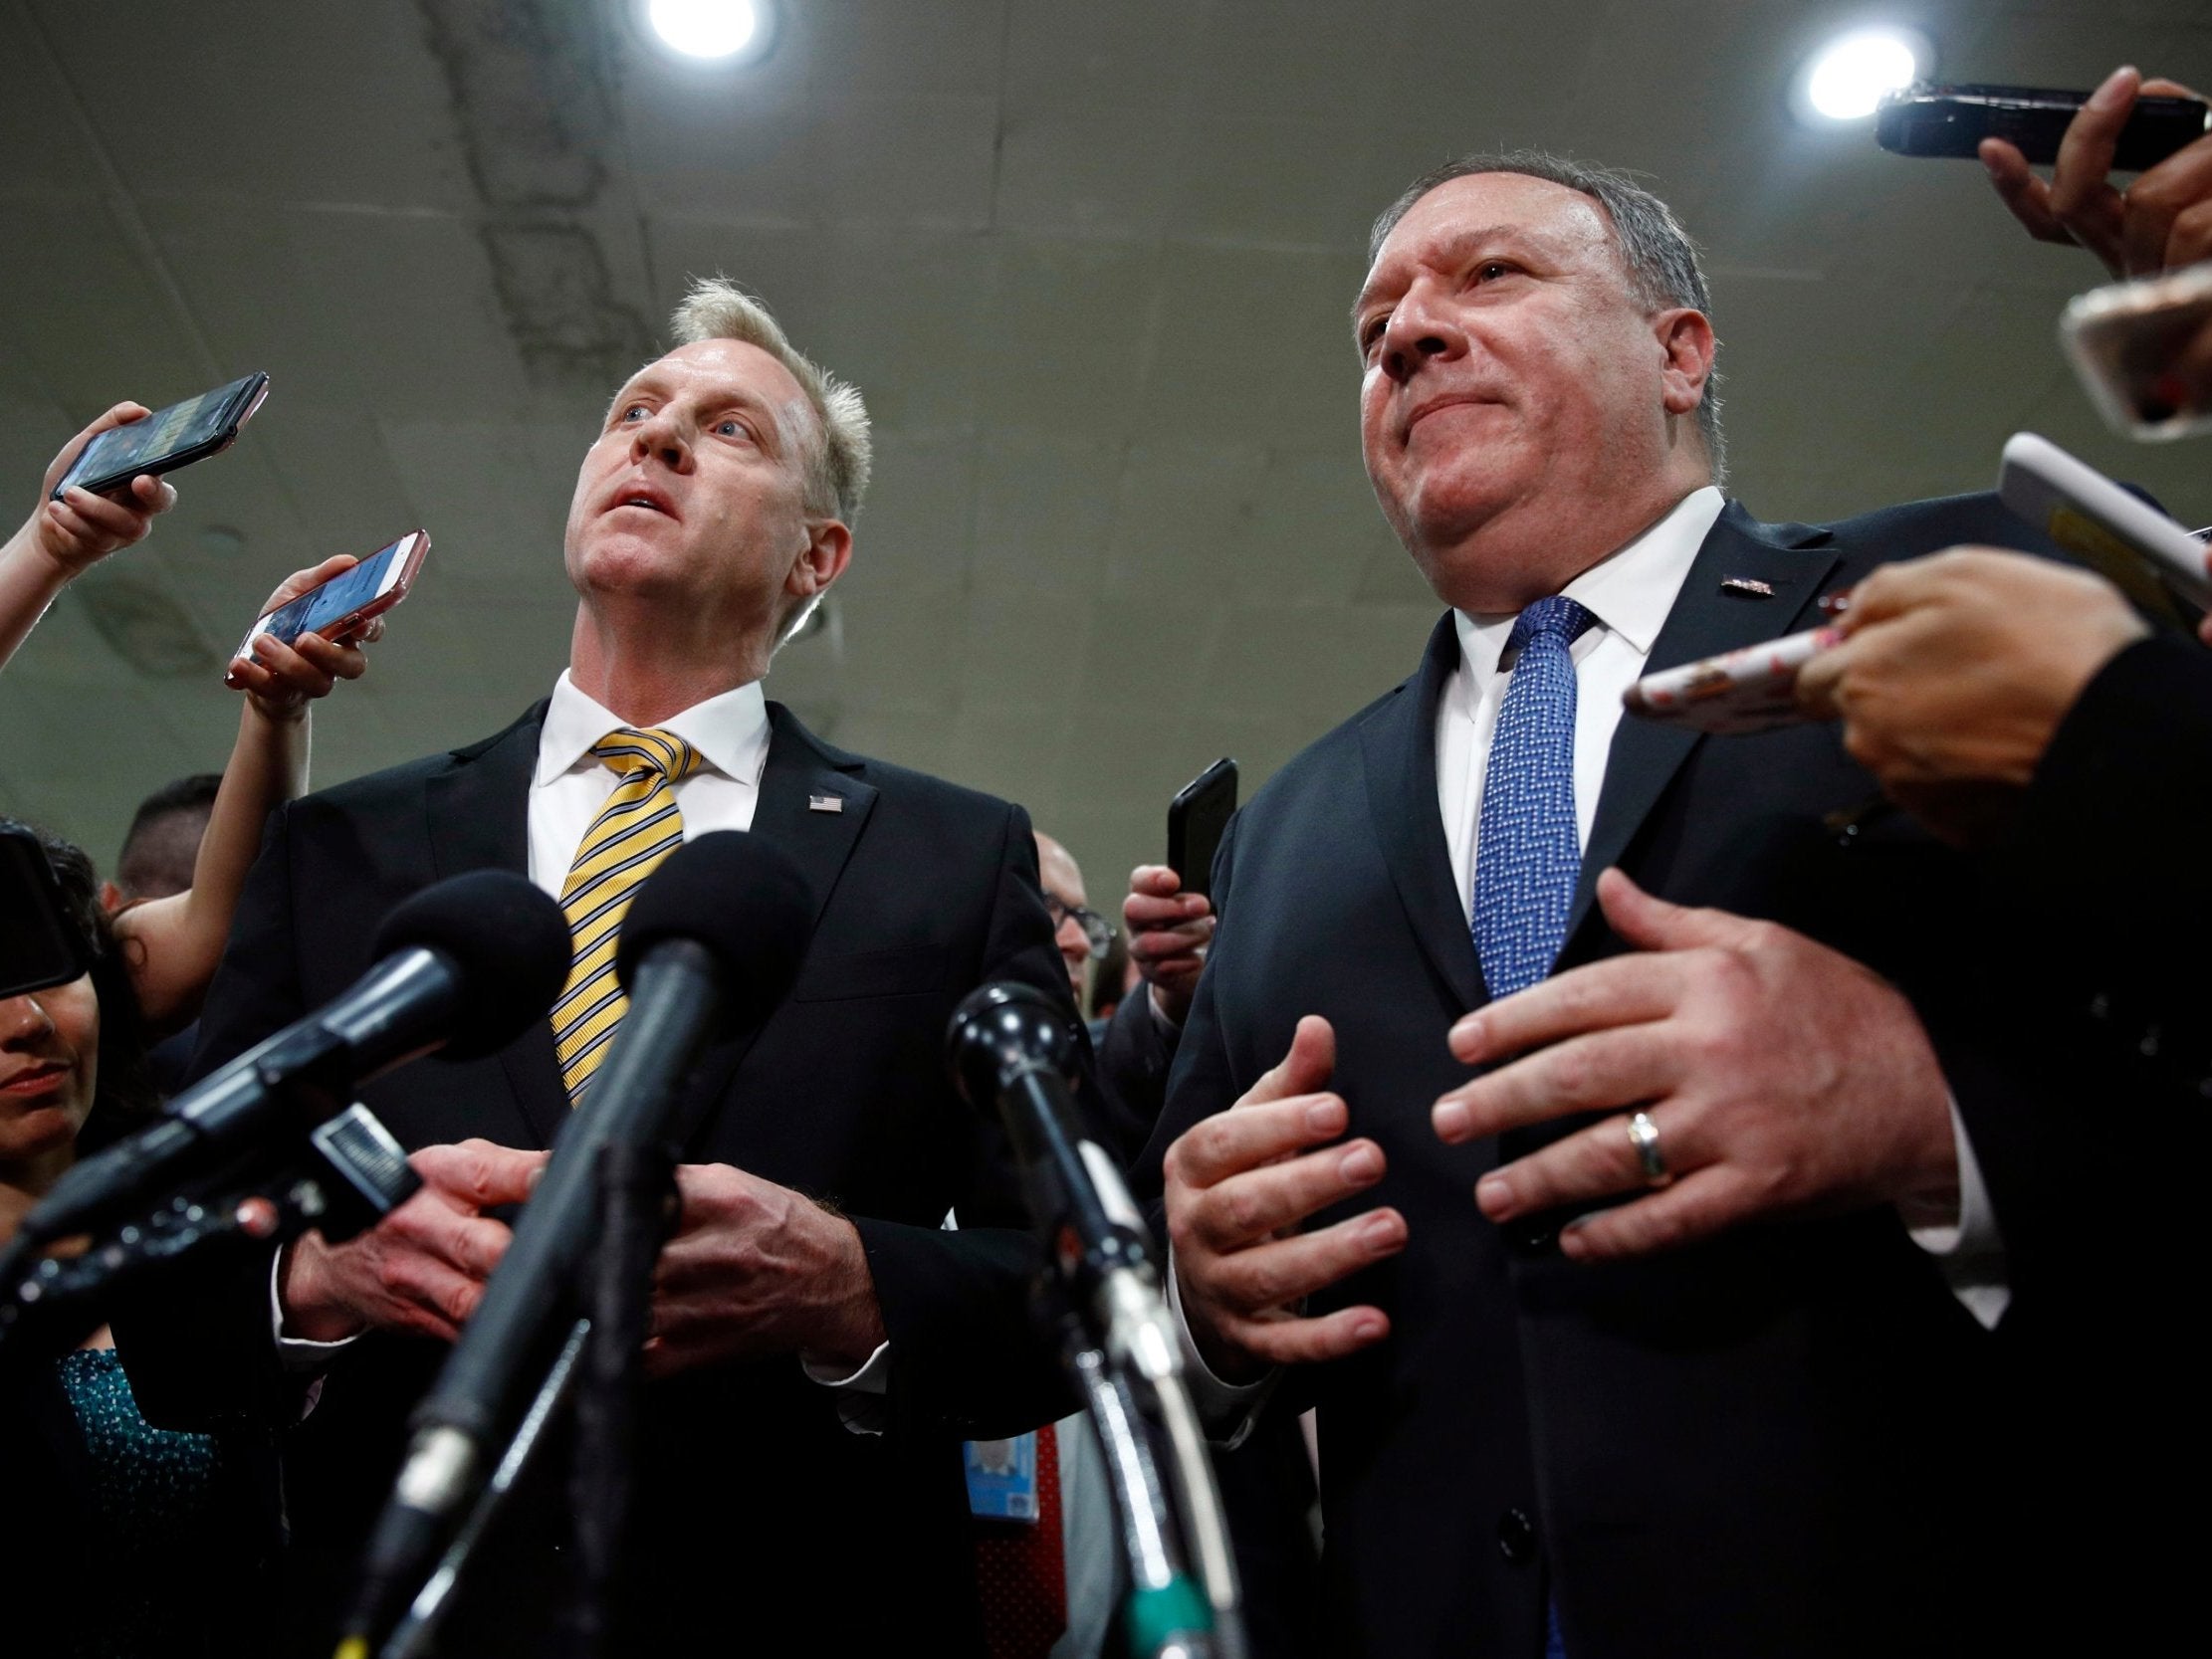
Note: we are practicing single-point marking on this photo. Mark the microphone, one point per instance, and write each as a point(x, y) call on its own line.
point(1009, 1045)
point(462, 968)
point(713, 939)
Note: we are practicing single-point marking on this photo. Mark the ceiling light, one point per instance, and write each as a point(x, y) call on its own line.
point(711, 29)
point(1848, 77)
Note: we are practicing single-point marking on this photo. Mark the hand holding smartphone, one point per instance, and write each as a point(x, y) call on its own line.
point(166, 440)
point(1197, 819)
point(1952, 122)
point(348, 601)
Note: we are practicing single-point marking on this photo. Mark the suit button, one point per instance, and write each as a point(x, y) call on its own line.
point(1516, 1535)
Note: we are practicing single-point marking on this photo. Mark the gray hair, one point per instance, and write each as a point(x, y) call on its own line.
point(1660, 258)
point(839, 458)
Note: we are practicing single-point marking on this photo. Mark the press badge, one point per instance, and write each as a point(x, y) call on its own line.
point(1001, 1477)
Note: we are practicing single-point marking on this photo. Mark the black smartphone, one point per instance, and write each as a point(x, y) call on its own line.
point(40, 944)
point(166, 439)
point(1196, 817)
point(1953, 120)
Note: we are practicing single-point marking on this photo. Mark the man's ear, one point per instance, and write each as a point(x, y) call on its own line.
point(110, 898)
point(821, 561)
point(1685, 338)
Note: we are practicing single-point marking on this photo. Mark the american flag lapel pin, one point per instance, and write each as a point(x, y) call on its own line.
point(1746, 587)
point(825, 803)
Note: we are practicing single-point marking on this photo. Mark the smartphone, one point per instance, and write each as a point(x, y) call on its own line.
point(2126, 340)
point(40, 943)
point(166, 439)
point(1752, 689)
point(340, 605)
point(1921, 119)
point(1196, 818)
point(2155, 561)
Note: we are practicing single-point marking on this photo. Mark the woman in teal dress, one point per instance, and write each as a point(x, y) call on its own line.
point(117, 1538)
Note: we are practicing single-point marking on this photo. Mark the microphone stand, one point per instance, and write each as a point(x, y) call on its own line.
point(410, 1638)
point(637, 1186)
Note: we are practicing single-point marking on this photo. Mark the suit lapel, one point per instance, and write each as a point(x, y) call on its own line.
point(802, 777)
point(1398, 752)
point(479, 819)
point(1794, 561)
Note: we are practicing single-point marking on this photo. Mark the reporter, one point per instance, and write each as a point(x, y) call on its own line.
point(139, 1539)
point(1954, 672)
point(2163, 220)
point(173, 944)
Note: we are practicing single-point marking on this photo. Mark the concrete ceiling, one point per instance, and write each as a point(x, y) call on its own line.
point(1090, 262)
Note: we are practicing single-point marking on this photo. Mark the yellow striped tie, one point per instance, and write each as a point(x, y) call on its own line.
point(637, 828)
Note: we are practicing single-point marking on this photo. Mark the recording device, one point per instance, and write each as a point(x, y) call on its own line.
point(166, 440)
point(40, 944)
point(2155, 561)
point(1951, 122)
point(1197, 819)
point(1752, 689)
point(710, 945)
point(2125, 341)
point(462, 968)
point(1008, 1047)
point(342, 605)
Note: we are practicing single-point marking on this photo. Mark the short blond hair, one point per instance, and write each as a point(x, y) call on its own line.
point(843, 454)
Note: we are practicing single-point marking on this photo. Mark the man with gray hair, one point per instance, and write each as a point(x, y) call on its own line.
point(1661, 1331)
point(819, 1346)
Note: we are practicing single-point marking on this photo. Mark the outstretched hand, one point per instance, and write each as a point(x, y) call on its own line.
point(282, 679)
point(81, 529)
point(2161, 221)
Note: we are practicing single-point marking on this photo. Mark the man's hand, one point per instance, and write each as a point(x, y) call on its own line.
point(1169, 930)
point(423, 1266)
point(282, 679)
point(81, 529)
point(757, 1269)
point(1781, 1076)
point(1955, 669)
point(2161, 221)
point(1239, 1185)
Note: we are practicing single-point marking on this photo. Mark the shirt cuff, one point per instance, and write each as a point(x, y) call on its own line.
point(861, 1403)
point(1160, 1021)
point(1968, 1246)
point(1228, 1409)
point(297, 1353)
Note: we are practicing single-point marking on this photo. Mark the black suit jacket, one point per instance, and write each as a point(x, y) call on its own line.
point(1778, 1442)
point(760, 1513)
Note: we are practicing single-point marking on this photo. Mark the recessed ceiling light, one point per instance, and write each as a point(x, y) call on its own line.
point(711, 29)
point(1846, 79)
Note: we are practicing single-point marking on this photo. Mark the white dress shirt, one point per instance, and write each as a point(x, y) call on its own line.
point(1630, 594)
point(566, 789)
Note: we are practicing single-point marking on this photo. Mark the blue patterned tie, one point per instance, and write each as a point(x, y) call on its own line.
point(1526, 854)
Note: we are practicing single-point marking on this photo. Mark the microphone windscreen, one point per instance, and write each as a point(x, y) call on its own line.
point(739, 898)
point(1001, 1030)
point(507, 938)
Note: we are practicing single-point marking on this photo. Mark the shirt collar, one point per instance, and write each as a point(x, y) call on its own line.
point(729, 731)
point(1629, 592)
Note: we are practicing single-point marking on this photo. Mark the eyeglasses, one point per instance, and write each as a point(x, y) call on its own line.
point(1099, 933)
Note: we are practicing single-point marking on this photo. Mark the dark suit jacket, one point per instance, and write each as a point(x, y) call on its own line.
point(761, 1513)
point(1775, 1443)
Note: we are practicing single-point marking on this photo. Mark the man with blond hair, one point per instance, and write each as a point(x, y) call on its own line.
point(819, 1344)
